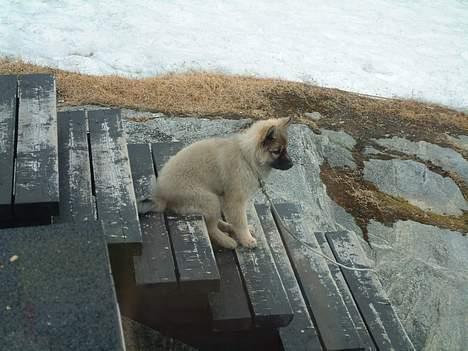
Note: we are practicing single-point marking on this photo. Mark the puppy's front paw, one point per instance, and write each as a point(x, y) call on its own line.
point(248, 241)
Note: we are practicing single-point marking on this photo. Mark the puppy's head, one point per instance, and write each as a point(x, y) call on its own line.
point(272, 143)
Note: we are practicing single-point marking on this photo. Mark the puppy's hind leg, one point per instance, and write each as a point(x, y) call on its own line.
point(209, 206)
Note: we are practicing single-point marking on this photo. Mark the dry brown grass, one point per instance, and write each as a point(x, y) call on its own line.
point(215, 95)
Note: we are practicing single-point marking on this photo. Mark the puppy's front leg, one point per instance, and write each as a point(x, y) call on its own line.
point(235, 210)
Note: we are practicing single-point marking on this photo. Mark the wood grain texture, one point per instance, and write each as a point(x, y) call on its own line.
point(300, 334)
point(348, 299)
point(230, 305)
point(268, 298)
point(77, 203)
point(334, 323)
point(379, 315)
point(195, 261)
point(36, 177)
point(8, 93)
point(155, 266)
point(115, 194)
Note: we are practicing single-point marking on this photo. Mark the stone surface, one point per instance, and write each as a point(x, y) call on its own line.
point(424, 270)
point(443, 157)
point(414, 182)
point(460, 140)
point(56, 290)
point(315, 116)
point(369, 150)
point(337, 148)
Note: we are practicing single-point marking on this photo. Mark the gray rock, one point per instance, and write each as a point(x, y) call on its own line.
point(337, 148)
point(414, 182)
point(443, 157)
point(315, 116)
point(369, 150)
point(424, 272)
point(460, 140)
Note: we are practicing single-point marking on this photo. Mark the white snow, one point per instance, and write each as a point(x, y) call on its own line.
point(406, 48)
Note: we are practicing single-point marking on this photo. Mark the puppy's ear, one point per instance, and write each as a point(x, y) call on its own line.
point(285, 122)
point(269, 136)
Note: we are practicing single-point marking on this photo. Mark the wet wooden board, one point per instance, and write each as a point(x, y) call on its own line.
point(155, 266)
point(347, 296)
point(36, 177)
point(195, 261)
point(382, 321)
point(268, 298)
point(115, 196)
point(77, 202)
point(56, 290)
point(333, 321)
point(8, 88)
point(229, 306)
point(300, 334)
point(194, 257)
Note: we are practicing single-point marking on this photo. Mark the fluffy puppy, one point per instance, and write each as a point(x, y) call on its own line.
point(219, 175)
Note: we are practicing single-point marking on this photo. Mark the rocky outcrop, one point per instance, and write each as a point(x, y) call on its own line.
point(446, 158)
point(414, 182)
point(424, 270)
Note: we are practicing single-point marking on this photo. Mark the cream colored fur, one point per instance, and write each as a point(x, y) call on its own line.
point(216, 176)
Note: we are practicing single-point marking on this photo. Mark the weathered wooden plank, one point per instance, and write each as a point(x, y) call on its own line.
point(155, 266)
point(334, 323)
point(268, 298)
point(195, 261)
point(193, 253)
point(300, 334)
point(8, 89)
point(36, 177)
point(77, 202)
point(347, 296)
point(115, 196)
point(162, 152)
point(230, 305)
point(56, 290)
point(382, 321)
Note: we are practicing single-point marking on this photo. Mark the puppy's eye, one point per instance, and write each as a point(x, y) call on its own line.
point(276, 152)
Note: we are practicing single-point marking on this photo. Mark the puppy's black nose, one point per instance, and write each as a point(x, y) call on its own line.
point(288, 163)
point(284, 163)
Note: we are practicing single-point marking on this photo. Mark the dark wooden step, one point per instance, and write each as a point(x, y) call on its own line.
point(115, 196)
point(77, 203)
point(36, 177)
point(155, 266)
point(333, 321)
point(193, 254)
point(300, 334)
point(379, 315)
point(56, 290)
point(8, 90)
point(230, 305)
point(268, 298)
point(348, 298)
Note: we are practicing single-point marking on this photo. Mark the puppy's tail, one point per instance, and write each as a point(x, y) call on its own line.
point(155, 203)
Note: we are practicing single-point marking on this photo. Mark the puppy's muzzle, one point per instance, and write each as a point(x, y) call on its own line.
point(283, 163)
